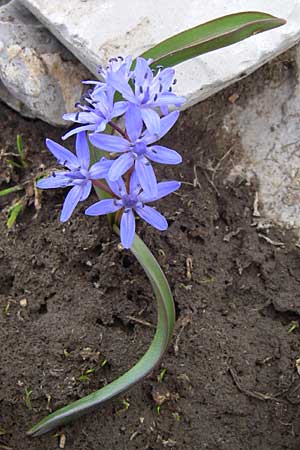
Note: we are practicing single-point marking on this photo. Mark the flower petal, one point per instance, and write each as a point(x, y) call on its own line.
point(146, 176)
point(127, 228)
point(70, 203)
point(57, 180)
point(100, 169)
point(133, 122)
point(90, 127)
point(82, 150)
point(118, 187)
point(64, 156)
point(86, 190)
point(135, 185)
point(163, 189)
point(152, 121)
point(109, 205)
point(166, 124)
point(119, 109)
point(163, 155)
point(153, 217)
point(117, 82)
point(115, 144)
point(120, 166)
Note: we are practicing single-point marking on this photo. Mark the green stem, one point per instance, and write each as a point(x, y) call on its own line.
point(164, 331)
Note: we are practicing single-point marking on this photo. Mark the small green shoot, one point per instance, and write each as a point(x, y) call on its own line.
point(66, 353)
point(10, 190)
point(161, 375)
point(158, 409)
point(6, 309)
point(27, 399)
point(2, 431)
point(21, 151)
point(293, 326)
point(104, 363)
point(13, 213)
point(86, 375)
point(176, 416)
point(125, 406)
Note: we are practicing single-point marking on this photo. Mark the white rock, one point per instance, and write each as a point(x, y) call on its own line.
point(269, 129)
point(97, 30)
point(39, 77)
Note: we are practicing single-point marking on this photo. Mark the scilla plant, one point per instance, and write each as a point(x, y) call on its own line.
point(120, 161)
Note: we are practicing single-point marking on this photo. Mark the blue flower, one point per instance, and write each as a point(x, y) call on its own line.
point(133, 201)
point(150, 92)
point(118, 65)
point(79, 174)
point(137, 150)
point(99, 110)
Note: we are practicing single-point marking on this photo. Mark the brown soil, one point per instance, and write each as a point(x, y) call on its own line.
point(231, 377)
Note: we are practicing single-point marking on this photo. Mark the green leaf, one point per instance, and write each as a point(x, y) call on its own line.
point(164, 331)
point(210, 36)
point(10, 190)
point(13, 213)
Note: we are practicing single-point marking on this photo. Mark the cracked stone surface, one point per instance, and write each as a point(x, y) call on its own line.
point(269, 129)
point(96, 30)
point(39, 77)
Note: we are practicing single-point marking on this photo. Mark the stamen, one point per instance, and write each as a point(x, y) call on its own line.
point(77, 116)
point(160, 88)
point(141, 89)
point(170, 89)
point(155, 97)
point(174, 81)
point(54, 174)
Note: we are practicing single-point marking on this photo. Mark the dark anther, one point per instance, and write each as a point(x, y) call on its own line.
point(155, 97)
point(65, 162)
point(77, 116)
point(147, 163)
point(159, 67)
point(146, 75)
point(121, 58)
point(170, 89)
point(54, 174)
point(112, 59)
point(154, 151)
point(141, 89)
point(174, 81)
point(160, 88)
point(77, 104)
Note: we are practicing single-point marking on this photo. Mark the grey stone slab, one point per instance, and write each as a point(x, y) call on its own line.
point(40, 78)
point(95, 30)
point(269, 129)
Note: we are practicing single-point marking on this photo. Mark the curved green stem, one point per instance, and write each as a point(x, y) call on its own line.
point(164, 331)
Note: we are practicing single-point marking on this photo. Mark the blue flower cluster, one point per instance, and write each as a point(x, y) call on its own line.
point(143, 98)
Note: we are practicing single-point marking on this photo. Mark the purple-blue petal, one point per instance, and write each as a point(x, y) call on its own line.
point(90, 127)
point(82, 150)
point(153, 217)
point(86, 190)
point(127, 228)
point(55, 181)
point(151, 120)
point(166, 123)
point(163, 189)
point(114, 144)
point(146, 176)
point(135, 186)
point(163, 155)
point(106, 206)
point(120, 166)
point(133, 122)
point(70, 203)
point(118, 187)
point(100, 169)
point(64, 156)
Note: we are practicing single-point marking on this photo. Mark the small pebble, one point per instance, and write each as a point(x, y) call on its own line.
point(23, 302)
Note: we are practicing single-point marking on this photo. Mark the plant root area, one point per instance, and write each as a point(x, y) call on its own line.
point(77, 311)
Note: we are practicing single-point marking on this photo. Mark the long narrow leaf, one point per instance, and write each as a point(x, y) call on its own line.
point(210, 36)
point(164, 331)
